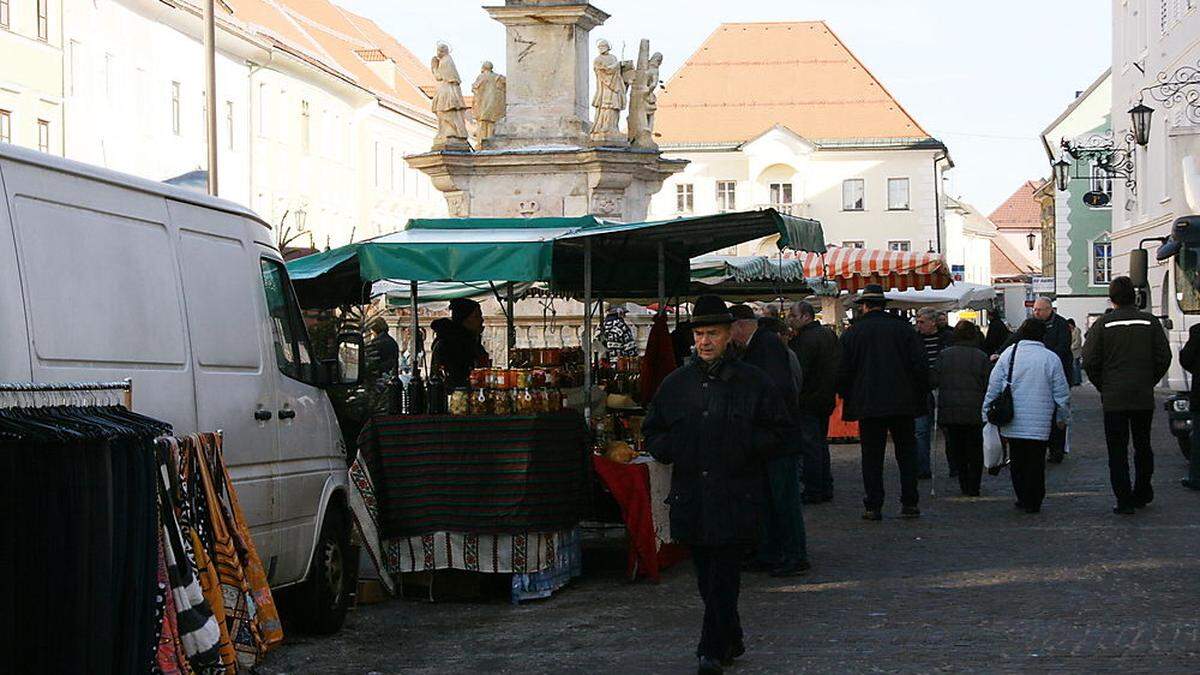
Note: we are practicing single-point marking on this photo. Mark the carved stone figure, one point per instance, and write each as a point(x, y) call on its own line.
point(490, 93)
point(652, 83)
point(609, 99)
point(448, 103)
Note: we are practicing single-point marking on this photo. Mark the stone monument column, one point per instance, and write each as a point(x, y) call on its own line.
point(548, 70)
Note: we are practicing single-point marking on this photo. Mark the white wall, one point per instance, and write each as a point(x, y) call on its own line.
point(390, 191)
point(31, 75)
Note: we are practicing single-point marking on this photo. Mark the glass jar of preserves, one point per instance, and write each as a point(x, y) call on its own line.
point(498, 378)
point(481, 403)
point(460, 402)
point(499, 402)
point(523, 402)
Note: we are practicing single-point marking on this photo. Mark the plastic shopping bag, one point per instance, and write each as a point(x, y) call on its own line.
point(995, 455)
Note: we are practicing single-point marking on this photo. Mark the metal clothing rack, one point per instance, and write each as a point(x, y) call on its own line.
point(125, 386)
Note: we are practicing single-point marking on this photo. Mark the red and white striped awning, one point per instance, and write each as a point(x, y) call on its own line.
point(854, 268)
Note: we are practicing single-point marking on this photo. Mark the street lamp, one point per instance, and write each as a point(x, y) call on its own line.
point(1141, 114)
point(1062, 174)
point(301, 217)
point(1031, 238)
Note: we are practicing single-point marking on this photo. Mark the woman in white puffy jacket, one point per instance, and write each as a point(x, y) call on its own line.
point(1039, 389)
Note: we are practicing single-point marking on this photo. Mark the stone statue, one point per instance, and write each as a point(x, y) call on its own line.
point(652, 83)
point(448, 103)
point(609, 100)
point(490, 92)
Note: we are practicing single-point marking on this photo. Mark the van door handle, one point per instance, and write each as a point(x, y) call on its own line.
point(287, 414)
point(262, 415)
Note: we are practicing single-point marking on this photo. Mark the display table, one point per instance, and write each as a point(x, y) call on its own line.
point(480, 494)
point(641, 489)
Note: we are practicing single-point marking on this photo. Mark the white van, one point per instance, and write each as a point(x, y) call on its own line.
point(105, 276)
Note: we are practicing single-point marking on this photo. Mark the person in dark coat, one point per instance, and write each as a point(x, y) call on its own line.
point(816, 347)
point(1189, 358)
point(681, 341)
point(381, 366)
point(1125, 355)
point(1057, 340)
point(961, 376)
point(997, 339)
point(783, 543)
point(883, 378)
point(717, 420)
point(457, 347)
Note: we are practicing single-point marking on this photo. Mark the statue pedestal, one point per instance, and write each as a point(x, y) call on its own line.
point(613, 183)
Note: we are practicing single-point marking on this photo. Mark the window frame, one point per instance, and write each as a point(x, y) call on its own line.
point(5, 14)
point(854, 243)
point(43, 20)
point(726, 196)
point(176, 108)
point(43, 127)
point(229, 122)
point(862, 197)
point(5, 126)
point(685, 198)
point(297, 340)
point(905, 245)
point(778, 188)
point(1092, 262)
point(305, 127)
point(907, 194)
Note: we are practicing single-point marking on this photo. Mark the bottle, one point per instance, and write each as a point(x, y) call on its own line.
point(435, 394)
point(416, 395)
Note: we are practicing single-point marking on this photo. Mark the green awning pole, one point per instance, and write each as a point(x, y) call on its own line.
point(512, 329)
point(416, 326)
point(587, 330)
point(662, 277)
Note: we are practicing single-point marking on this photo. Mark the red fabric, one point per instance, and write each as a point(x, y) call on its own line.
point(630, 486)
point(840, 428)
point(659, 360)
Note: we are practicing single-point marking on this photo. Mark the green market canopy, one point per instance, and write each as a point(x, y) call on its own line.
point(625, 257)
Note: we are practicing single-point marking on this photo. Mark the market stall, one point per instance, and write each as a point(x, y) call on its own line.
point(583, 258)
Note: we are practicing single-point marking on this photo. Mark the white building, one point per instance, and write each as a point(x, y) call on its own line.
point(31, 75)
point(306, 92)
point(969, 241)
point(784, 115)
point(1158, 41)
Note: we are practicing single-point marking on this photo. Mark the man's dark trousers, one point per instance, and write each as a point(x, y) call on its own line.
point(816, 472)
point(1028, 468)
point(719, 576)
point(872, 433)
point(1118, 425)
point(782, 539)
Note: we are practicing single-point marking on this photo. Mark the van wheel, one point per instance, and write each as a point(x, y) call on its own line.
point(326, 595)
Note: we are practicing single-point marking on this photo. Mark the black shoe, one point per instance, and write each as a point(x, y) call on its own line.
point(792, 569)
point(910, 512)
point(1142, 499)
point(1019, 506)
point(925, 475)
point(1033, 509)
point(709, 666)
point(872, 514)
point(1189, 484)
point(737, 650)
point(1124, 510)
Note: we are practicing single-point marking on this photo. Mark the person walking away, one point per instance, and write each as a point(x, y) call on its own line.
point(933, 342)
point(883, 378)
point(961, 377)
point(1041, 399)
point(1125, 355)
point(717, 420)
point(457, 347)
point(783, 545)
point(1076, 374)
point(1189, 358)
point(1057, 340)
point(381, 366)
point(816, 347)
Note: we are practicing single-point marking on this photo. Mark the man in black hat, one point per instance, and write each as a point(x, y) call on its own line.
point(884, 379)
point(457, 347)
point(717, 420)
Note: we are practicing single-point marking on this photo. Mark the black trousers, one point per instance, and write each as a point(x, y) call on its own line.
point(964, 448)
point(719, 576)
point(1028, 470)
point(1118, 426)
point(872, 433)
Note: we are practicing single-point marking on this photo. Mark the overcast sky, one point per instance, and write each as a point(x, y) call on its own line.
point(984, 77)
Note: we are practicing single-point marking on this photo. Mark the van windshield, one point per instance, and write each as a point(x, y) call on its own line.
point(1187, 278)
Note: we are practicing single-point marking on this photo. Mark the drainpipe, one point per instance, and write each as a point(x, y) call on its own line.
point(937, 200)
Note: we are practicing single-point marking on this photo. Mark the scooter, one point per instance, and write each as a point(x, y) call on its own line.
point(1179, 417)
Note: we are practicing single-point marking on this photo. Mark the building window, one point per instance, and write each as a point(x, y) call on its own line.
point(1101, 263)
point(853, 193)
point(229, 122)
point(43, 136)
point(854, 243)
point(175, 108)
point(899, 245)
point(684, 198)
point(43, 18)
point(378, 159)
point(304, 125)
point(5, 126)
point(897, 194)
point(726, 195)
point(1101, 181)
point(781, 194)
point(4, 13)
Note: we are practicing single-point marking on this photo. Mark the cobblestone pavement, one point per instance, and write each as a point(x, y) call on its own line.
point(972, 586)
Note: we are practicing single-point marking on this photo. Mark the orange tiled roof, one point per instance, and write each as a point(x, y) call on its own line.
point(748, 77)
point(1007, 264)
point(1021, 211)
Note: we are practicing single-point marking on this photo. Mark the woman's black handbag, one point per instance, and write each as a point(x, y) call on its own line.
point(1000, 411)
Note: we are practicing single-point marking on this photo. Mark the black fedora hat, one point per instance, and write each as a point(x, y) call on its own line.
point(871, 293)
point(710, 310)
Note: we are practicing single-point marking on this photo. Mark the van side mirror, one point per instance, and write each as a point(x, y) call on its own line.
point(1139, 263)
point(346, 369)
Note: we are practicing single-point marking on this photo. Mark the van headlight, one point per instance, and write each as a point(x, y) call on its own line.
point(1181, 405)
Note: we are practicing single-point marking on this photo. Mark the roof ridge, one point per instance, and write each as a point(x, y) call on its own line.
point(874, 79)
